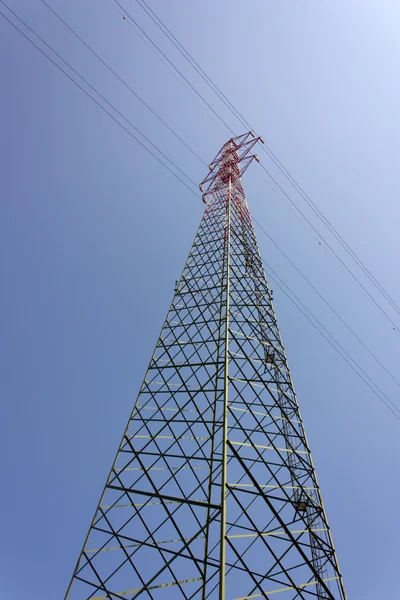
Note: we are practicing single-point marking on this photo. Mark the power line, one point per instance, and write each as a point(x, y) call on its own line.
point(174, 67)
point(187, 145)
point(177, 76)
point(123, 82)
point(161, 25)
point(270, 269)
point(332, 341)
point(334, 231)
point(94, 100)
point(332, 250)
point(85, 91)
point(326, 302)
point(262, 229)
point(186, 54)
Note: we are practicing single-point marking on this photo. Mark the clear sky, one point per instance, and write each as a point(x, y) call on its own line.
point(94, 233)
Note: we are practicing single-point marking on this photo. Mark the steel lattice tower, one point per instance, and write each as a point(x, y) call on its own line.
point(213, 492)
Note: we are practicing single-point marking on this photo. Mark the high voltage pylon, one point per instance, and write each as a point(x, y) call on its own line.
point(213, 493)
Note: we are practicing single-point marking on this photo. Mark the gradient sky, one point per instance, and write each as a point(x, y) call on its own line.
point(94, 233)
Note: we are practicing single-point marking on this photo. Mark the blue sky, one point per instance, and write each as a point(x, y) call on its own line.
point(94, 233)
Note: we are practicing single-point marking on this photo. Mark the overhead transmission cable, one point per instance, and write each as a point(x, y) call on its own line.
point(349, 271)
point(332, 341)
point(165, 63)
point(123, 82)
point(275, 277)
point(101, 96)
point(276, 161)
point(325, 301)
point(214, 87)
point(334, 232)
point(174, 67)
point(259, 225)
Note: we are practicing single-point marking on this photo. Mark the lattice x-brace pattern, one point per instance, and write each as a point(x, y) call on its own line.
point(213, 493)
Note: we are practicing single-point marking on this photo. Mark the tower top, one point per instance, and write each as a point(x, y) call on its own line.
point(230, 163)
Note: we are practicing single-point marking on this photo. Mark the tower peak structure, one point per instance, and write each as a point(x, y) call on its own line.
point(213, 493)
